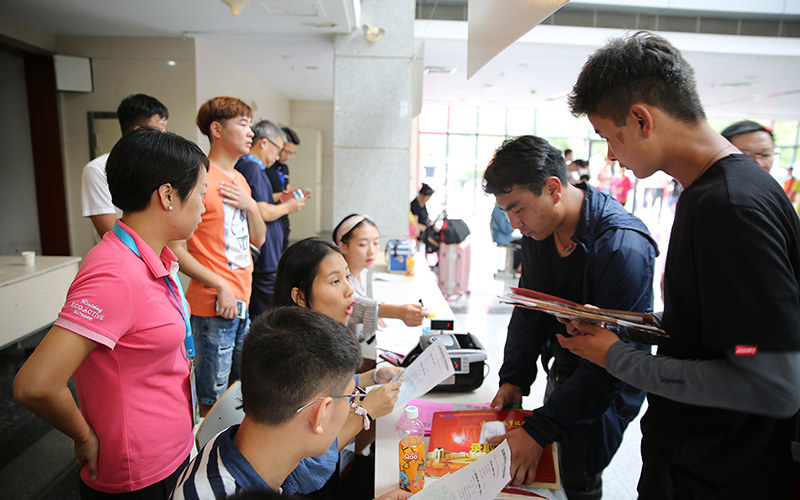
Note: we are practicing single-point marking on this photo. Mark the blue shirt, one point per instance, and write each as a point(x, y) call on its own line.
point(254, 171)
point(220, 470)
point(501, 227)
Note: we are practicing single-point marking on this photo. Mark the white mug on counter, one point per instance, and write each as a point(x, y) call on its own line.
point(29, 258)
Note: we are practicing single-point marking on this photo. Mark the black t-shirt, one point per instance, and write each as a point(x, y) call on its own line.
point(420, 212)
point(561, 277)
point(732, 278)
point(275, 176)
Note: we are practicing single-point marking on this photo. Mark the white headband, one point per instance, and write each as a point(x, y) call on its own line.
point(347, 225)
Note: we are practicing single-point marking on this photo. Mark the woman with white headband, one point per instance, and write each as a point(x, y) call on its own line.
point(359, 240)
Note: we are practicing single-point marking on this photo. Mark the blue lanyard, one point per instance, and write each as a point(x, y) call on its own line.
point(127, 239)
point(281, 175)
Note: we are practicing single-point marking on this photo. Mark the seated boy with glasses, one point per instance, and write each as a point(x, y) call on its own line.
point(298, 387)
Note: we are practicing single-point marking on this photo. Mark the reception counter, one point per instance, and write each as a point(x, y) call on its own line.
point(32, 296)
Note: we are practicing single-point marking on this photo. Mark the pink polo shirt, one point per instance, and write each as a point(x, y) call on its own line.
point(134, 388)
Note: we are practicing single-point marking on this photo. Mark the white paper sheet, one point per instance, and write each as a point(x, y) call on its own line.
point(425, 373)
point(483, 479)
point(389, 277)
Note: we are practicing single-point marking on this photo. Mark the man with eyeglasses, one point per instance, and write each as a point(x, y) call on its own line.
point(268, 144)
point(298, 387)
point(278, 174)
point(754, 140)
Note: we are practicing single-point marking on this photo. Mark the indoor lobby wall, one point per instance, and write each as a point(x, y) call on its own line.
point(121, 66)
point(219, 76)
point(319, 115)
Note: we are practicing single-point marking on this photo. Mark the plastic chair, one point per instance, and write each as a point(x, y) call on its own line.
point(226, 412)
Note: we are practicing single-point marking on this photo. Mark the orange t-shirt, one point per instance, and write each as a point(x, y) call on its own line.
point(221, 243)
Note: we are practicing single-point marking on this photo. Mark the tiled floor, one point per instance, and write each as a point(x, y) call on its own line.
point(37, 461)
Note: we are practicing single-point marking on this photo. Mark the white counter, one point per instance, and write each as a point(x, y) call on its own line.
point(409, 290)
point(32, 297)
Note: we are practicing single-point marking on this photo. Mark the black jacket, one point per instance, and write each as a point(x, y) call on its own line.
point(618, 274)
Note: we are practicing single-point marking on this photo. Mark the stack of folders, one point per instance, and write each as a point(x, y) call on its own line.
point(640, 326)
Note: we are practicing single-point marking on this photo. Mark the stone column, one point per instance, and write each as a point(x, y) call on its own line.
point(372, 118)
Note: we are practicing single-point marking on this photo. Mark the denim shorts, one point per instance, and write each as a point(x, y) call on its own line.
point(218, 349)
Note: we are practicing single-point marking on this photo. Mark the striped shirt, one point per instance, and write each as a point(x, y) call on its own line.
point(364, 321)
point(220, 470)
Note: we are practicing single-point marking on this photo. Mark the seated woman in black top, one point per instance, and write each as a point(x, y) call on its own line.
point(420, 212)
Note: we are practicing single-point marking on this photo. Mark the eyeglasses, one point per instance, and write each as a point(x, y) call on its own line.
point(763, 156)
point(280, 149)
point(357, 394)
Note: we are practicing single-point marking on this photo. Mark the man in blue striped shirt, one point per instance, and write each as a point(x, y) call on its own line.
point(297, 390)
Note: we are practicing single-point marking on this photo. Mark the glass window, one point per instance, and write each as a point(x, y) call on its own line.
point(433, 118)
point(785, 132)
point(460, 174)
point(521, 121)
point(432, 158)
point(786, 158)
point(559, 123)
point(460, 155)
point(492, 120)
point(720, 124)
point(487, 145)
point(562, 143)
point(463, 119)
point(598, 149)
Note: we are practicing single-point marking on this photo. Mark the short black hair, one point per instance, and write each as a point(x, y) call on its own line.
point(526, 161)
point(425, 190)
point(567, 152)
point(137, 109)
point(289, 355)
point(298, 267)
point(291, 136)
point(637, 68)
point(146, 159)
point(744, 127)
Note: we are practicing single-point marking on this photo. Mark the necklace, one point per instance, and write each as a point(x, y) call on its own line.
point(710, 162)
point(564, 248)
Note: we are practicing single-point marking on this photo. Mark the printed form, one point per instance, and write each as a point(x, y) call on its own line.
point(425, 373)
point(483, 479)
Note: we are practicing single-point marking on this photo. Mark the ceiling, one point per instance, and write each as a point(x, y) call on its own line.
point(292, 40)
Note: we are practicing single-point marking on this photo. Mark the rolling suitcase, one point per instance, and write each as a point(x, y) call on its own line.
point(454, 268)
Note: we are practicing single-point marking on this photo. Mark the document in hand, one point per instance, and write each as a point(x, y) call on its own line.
point(425, 373)
point(458, 438)
point(562, 308)
point(483, 479)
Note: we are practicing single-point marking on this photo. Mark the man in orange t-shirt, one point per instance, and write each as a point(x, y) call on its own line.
point(217, 257)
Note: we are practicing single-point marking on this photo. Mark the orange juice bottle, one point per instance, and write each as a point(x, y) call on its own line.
point(410, 265)
point(412, 451)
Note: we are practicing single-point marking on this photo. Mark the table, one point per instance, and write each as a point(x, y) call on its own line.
point(423, 286)
point(31, 297)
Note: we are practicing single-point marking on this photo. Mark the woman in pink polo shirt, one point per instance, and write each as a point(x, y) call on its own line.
point(123, 332)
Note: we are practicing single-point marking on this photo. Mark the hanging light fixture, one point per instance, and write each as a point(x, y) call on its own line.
point(236, 5)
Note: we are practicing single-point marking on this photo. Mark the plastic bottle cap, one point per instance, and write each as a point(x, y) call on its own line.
point(411, 412)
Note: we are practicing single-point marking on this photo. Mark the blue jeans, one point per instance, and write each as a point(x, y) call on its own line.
point(218, 350)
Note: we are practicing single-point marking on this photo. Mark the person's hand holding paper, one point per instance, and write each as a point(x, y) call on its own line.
point(425, 373)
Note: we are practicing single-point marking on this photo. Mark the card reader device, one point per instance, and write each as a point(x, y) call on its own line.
point(467, 355)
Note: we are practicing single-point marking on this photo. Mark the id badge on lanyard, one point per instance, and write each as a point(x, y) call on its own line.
point(183, 308)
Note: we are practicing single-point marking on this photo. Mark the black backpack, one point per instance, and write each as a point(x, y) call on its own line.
point(454, 231)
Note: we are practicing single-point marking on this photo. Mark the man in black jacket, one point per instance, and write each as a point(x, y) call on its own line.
point(581, 245)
